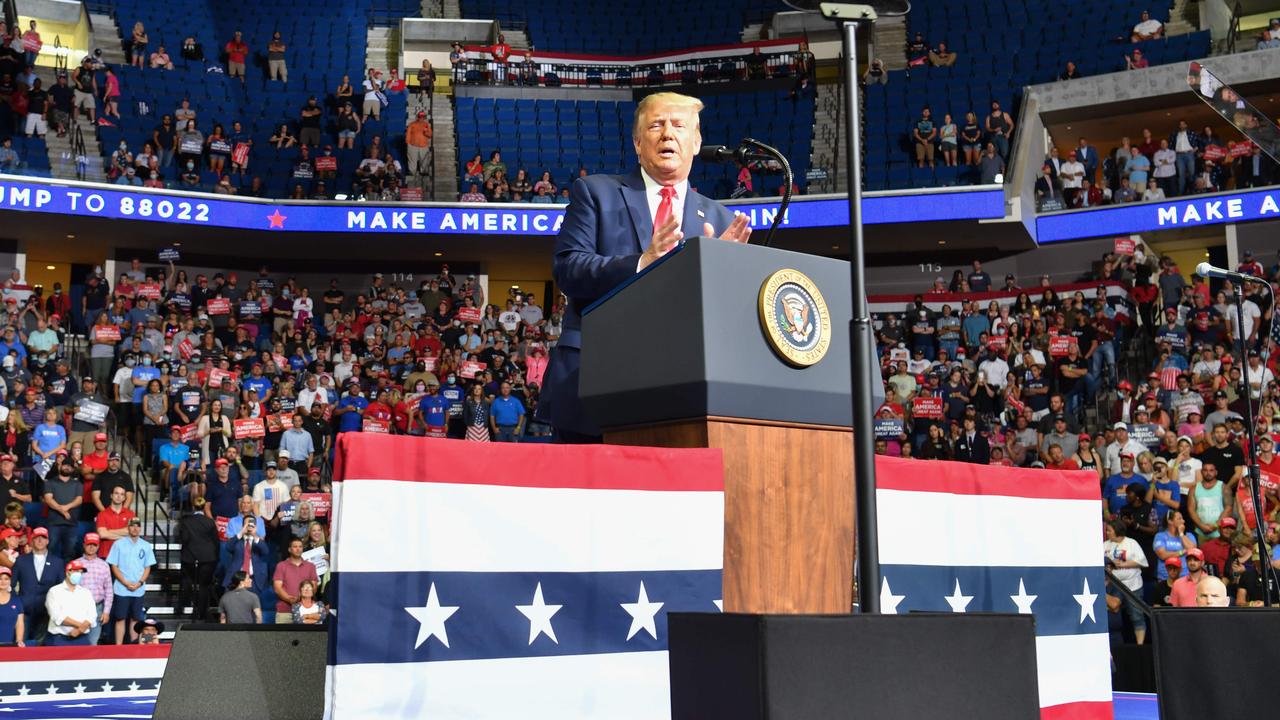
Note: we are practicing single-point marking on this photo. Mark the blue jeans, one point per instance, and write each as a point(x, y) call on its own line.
point(951, 346)
point(1104, 357)
point(925, 347)
point(1186, 164)
point(506, 433)
point(96, 632)
point(64, 541)
point(1002, 145)
point(64, 640)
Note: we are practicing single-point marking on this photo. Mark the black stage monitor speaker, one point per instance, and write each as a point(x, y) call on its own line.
point(221, 672)
point(853, 667)
point(1198, 677)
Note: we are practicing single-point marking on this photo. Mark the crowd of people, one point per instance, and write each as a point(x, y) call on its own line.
point(1129, 374)
point(488, 181)
point(1186, 162)
point(231, 396)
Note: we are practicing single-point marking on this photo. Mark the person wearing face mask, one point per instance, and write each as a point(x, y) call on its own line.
point(72, 612)
point(190, 176)
point(454, 395)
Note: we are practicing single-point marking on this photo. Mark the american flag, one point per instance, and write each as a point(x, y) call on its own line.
point(528, 581)
point(956, 537)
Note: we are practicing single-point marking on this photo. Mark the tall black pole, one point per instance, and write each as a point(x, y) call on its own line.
point(867, 563)
point(1253, 474)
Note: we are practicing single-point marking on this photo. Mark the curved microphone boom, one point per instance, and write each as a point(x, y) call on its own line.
point(724, 154)
point(787, 181)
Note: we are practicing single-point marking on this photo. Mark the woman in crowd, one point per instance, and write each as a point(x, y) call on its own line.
point(475, 414)
point(12, 627)
point(139, 42)
point(474, 172)
point(190, 145)
point(218, 149)
point(308, 610)
point(282, 139)
point(103, 338)
point(155, 411)
point(1087, 457)
point(215, 433)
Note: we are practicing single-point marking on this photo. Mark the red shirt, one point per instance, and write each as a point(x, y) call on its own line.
point(97, 461)
point(111, 520)
point(1184, 591)
point(379, 411)
point(500, 52)
point(290, 577)
point(1216, 551)
point(236, 51)
point(1066, 464)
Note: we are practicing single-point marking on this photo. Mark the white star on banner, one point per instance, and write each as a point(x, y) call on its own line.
point(719, 604)
point(23, 690)
point(51, 690)
point(643, 614)
point(431, 618)
point(1086, 599)
point(889, 601)
point(134, 686)
point(1022, 599)
point(540, 614)
point(957, 600)
point(107, 687)
point(80, 688)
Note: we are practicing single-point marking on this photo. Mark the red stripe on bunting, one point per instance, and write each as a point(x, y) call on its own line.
point(959, 478)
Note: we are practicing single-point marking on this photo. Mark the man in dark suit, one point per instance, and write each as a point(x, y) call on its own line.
point(972, 446)
point(247, 542)
point(1088, 156)
point(33, 574)
point(616, 226)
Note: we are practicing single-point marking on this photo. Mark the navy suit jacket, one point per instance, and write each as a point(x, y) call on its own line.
point(1088, 157)
point(30, 590)
point(979, 452)
point(260, 554)
point(605, 230)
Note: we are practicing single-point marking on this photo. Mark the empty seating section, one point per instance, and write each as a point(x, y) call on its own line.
point(1002, 46)
point(588, 26)
point(564, 135)
point(326, 39)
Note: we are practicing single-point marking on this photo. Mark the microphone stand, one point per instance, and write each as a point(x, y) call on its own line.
point(787, 181)
point(1253, 471)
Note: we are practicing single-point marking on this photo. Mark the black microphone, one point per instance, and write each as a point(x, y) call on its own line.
point(1204, 269)
point(724, 154)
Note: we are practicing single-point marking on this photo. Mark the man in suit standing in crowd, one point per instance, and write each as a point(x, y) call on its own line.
point(616, 226)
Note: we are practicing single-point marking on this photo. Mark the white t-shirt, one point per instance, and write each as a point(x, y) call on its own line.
point(371, 88)
point(996, 371)
point(1251, 315)
point(1072, 173)
point(510, 320)
point(1148, 27)
point(1127, 549)
point(1187, 470)
point(1258, 379)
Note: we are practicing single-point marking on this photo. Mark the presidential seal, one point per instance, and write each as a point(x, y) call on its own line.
point(794, 317)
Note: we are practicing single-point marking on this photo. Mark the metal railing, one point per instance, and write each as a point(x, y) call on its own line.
point(1233, 30)
point(484, 71)
point(79, 151)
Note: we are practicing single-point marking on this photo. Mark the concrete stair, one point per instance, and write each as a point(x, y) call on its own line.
point(63, 160)
point(890, 43)
point(450, 9)
point(1182, 20)
point(382, 48)
point(753, 32)
point(828, 140)
point(106, 36)
point(444, 185)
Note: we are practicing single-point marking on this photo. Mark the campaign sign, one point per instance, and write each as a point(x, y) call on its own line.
point(888, 428)
point(249, 428)
point(374, 425)
point(469, 315)
point(429, 363)
point(169, 255)
point(1125, 246)
point(927, 407)
point(106, 333)
point(150, 291)
point(191, 433)
point(327, 163)
point(185, 348)
point(1059, 345)
point(998, 342)
point(219, 306)
point(899, 355)
point(1214, 152)
point(217, 375)
point(240, 155)
point(250, 309)
point(94, 413)
point(1240, 149)
point(320, 502)
point(471, 368)
point(275, 423)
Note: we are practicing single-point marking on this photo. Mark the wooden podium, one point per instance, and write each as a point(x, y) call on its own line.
point(678, 357)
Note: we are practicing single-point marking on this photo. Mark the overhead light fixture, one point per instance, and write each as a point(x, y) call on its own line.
point(177, 244)
point(50, 267)
point(439, 254)
point(71, 236)
point(942, 242)
point(835, 247)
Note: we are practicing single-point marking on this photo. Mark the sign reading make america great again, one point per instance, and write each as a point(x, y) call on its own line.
point(91, 200)
point(1145, 217)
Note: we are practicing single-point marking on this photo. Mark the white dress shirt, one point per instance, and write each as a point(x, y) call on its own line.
point(73, 602)
point(652, 193)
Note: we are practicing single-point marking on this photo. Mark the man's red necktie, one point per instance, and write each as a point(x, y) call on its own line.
point(248, 557)
point(665, 207)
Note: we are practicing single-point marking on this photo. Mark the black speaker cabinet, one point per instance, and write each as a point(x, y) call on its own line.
point(1215, 662)
point(218, 672)
point(872, 667)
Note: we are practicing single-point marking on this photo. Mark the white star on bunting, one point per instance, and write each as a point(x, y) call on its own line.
point(80, 688)
point(643, 614)
point(107, 687)
point(889, 601)
point(431, 618)
point(134, 686)
point(540, 614)
point(1086, 599)
point(957, 600)
point(1022, 599)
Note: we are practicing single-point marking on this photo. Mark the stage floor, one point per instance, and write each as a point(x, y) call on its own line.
point(1128, 706)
